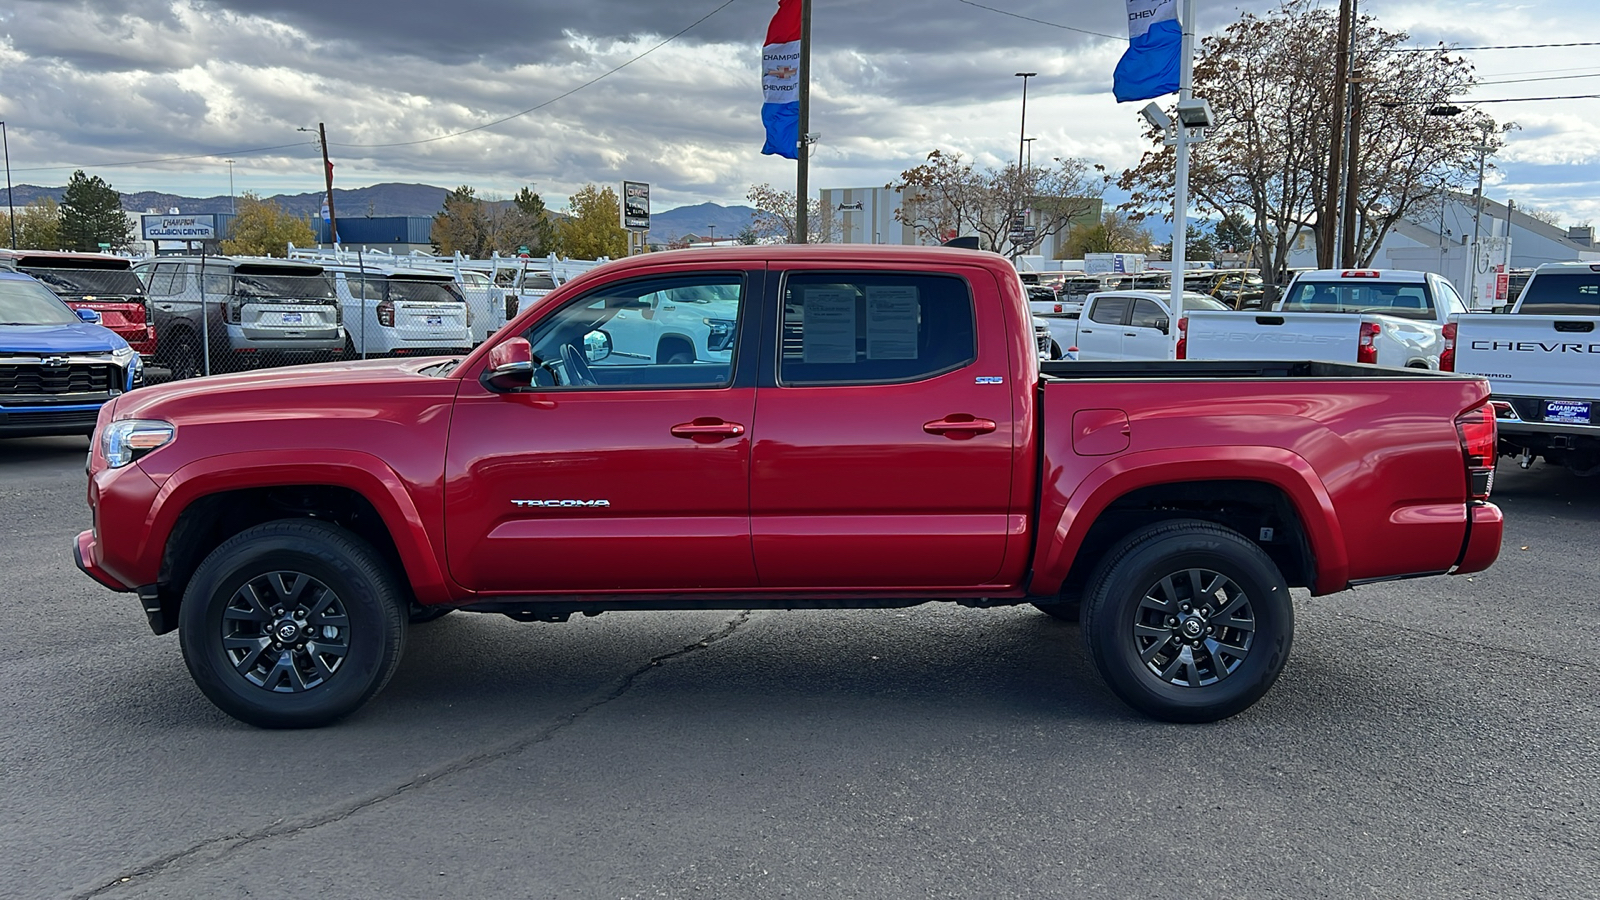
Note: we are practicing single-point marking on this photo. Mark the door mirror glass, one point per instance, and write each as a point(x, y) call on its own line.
point(510, 366)
point(596, 345)
point(1163, 324)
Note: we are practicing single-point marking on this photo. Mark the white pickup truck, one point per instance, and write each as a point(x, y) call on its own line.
point(1390, 317)
point(1128, 325)
point(1543, 366)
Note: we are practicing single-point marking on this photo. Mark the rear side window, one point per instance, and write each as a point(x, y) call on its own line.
point(1110, 310)
point(872, 328)
point(1562, 294)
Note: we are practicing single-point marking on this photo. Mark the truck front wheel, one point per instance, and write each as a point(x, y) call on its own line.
point(1188, 621)
point(292, 624)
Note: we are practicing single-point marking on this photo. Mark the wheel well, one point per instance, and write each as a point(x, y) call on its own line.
point(672, 342)
point(1244, 506)
point(210, 520)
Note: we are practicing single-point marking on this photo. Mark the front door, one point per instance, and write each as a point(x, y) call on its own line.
point(610, 472)
point(1147, 334)
point(883, 454)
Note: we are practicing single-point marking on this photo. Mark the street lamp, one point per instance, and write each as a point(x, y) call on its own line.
point(10, 207)
point(1024, 127)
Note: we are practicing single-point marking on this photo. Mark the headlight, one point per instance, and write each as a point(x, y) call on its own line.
point(125, 441)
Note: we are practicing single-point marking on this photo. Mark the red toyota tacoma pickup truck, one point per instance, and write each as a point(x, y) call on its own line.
point(865, 427)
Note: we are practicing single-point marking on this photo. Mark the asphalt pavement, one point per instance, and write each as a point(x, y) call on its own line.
point(1432, 738)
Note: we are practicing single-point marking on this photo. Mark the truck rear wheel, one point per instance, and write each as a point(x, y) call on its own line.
point(1188, 621)
point(292, 624)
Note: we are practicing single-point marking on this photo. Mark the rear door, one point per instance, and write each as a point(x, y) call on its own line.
point(1100, 328)
point(884, 439)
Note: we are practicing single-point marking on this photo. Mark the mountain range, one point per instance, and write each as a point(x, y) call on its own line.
point(394, 199)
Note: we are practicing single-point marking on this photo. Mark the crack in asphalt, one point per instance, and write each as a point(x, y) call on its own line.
point(224, 846)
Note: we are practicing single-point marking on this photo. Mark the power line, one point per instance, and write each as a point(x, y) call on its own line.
point(145, 162)
point(1528, 99)
point(1004, 12)
point(1443, 48)
point(1546, 78)
point(540, 106)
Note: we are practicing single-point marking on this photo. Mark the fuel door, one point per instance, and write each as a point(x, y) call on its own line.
point(1100, 432)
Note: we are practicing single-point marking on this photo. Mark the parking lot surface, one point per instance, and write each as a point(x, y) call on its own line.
point(1432, 738)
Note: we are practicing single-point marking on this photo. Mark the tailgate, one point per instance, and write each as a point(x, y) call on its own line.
point(416, 318)
point(1330, 337)
point(1552, 357)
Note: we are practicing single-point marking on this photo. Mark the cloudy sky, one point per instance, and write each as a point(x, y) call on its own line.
point(121, 87)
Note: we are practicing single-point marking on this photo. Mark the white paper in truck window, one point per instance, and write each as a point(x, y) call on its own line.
point(892, 316)
point(829, 334)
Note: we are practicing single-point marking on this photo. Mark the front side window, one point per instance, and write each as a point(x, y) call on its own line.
point(167, 280)
point(1147, 314)
point(668, 332)
point(871, 328)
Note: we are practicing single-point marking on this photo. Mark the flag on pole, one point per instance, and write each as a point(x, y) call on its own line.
point(780, 82)
point(1150, 67)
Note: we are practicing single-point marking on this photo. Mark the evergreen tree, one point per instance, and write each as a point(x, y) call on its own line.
point(462, 224)
point(536, 222)
point(91, 215)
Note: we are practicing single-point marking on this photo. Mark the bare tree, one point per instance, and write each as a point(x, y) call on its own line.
point(1271, 81)
point(946, 196)
point(775, 215)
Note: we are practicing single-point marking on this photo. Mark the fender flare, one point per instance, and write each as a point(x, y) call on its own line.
point(1283, 469)
point(361, 472)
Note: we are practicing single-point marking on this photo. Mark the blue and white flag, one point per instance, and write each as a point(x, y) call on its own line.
point(780, 82)
point(1150, 67)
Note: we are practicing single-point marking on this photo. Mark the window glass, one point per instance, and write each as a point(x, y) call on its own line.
point(218, 284)
point(167, 280)
point(75, 281)
point(364, 287)
point(1388, 298)
point(654, 333)
point(1147, 314)
point(1110, 310)
point(870, 328)
point(1452, 300)
point(1562, 294)
point(422, 291)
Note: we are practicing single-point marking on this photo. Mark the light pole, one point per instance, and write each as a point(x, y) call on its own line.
point(231, 207)
point(713, 233)
point(1024, 127)
point(10, 207)
point(1029, 142)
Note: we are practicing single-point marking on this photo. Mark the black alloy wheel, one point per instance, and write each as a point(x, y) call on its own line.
point(183, 360)
point(292, 624)
point(1188, 621)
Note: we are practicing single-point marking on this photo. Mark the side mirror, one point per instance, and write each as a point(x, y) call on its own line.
point(510, 366)
point(89, 315)
point(1165, 325)
point(596, 345)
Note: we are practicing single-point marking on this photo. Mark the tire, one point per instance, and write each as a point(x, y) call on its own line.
point(250, 587)
point(674, 352)
point(1153, 619)
point(183, 360)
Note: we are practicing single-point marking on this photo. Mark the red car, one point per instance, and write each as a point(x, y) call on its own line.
point(879, 435)
point(97, 281)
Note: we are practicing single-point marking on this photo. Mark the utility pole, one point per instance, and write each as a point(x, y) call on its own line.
point(1328, 220)
point(1477, 225)
point(802, 177)
point(1022, 129)
point(1180, 193)
point(327, 166)
point(11, 207)
point(1352, 176)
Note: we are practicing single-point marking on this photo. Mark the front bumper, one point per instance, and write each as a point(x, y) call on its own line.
point(85, 554)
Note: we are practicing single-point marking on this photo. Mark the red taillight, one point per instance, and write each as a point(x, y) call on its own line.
point(1447, 356)
point(1479, 443)
point(1183, 339)
point(1367, 350)
point(1359, 273)
point(386, 314)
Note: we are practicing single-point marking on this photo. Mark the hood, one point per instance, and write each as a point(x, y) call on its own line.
point(270, 389)
point(56, 339)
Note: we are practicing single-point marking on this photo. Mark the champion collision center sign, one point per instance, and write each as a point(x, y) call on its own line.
point(179, 228)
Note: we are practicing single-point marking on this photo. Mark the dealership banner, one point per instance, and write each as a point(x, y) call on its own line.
point(780, 82)
point(1150, 66)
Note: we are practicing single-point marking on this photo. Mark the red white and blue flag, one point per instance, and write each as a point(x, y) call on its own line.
point(780, 82)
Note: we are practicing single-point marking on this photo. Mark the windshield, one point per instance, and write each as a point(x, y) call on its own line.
point(30, 303)
point(1562, 294)
point(1408, 301)
point(425, 291)
point(77, 282)
point(273, 286)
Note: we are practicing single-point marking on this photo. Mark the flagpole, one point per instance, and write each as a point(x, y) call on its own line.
point(802, 186)
point(1180, 201)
